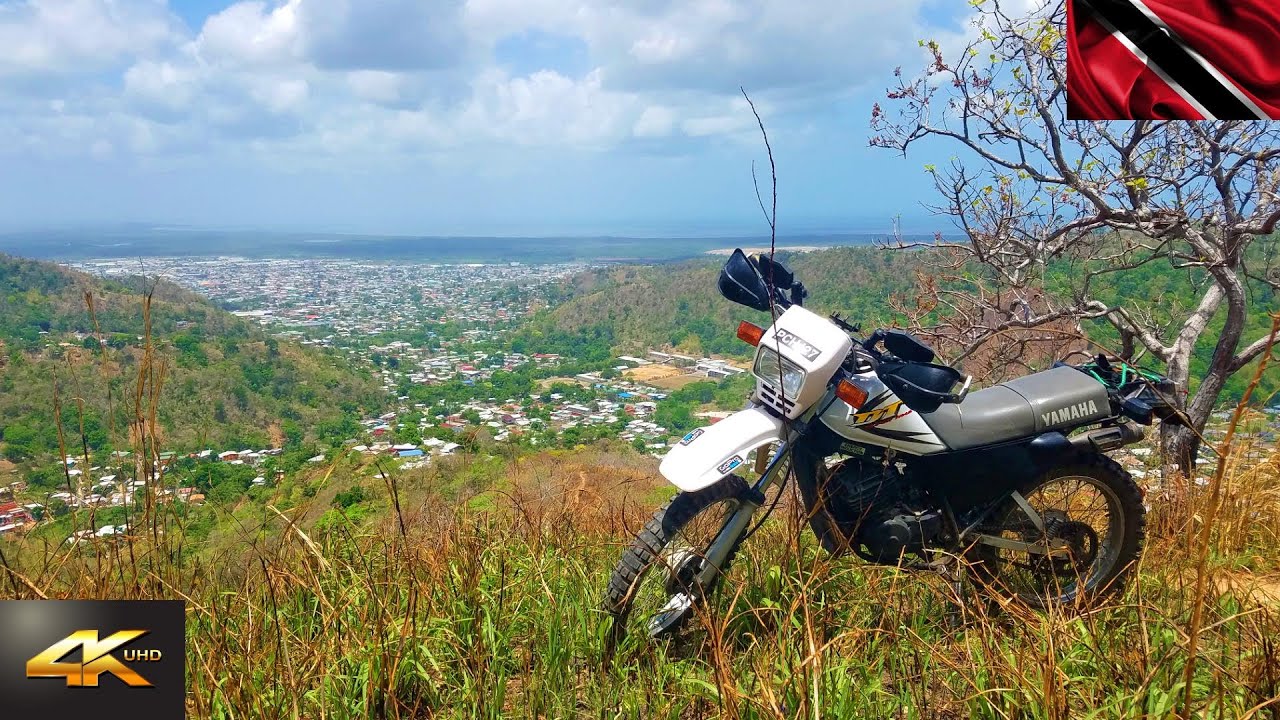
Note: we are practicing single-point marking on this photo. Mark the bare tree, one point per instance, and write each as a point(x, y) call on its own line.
point(1059, 209)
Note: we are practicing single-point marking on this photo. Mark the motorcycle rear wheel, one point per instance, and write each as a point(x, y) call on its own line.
point(651, 591)
point(1071, 501)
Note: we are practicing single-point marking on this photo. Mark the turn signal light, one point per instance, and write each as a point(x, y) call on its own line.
point(749, 333)
point(851, 394)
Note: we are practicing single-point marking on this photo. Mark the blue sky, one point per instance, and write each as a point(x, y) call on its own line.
point(519, 117)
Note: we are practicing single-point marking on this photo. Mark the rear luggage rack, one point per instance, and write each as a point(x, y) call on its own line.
point(1136, 385)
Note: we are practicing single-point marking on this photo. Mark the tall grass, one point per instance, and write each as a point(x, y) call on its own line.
point(480, 600)
point(494, 614)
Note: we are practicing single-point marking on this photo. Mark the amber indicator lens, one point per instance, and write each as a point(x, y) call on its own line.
point(851, 394)
point(749, 333)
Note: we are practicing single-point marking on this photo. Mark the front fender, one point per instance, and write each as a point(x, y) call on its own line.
point(709, 453)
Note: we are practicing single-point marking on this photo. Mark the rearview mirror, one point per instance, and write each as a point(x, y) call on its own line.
point(741, 283)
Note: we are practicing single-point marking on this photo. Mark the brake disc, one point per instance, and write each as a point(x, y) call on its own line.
point(682, 567)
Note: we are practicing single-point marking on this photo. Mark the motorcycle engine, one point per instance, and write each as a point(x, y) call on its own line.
point(884, 518)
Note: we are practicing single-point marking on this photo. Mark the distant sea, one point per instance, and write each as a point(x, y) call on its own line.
point(72, 245)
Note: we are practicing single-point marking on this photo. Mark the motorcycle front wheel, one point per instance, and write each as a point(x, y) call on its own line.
point(653, 592)
point(1092, 513)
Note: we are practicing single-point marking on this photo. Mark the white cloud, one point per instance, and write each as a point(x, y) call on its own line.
point(377, 86)
point(655, 121)
point(163, 83)
point(80, 36)
point(368, 79)
point(381, 34)
point(279, 94)
point(547, 108)
point(251, 34)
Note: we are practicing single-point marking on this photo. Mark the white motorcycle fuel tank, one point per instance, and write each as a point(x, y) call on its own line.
point(883, 421)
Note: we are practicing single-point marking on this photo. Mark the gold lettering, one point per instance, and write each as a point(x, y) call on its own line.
point(95, 659)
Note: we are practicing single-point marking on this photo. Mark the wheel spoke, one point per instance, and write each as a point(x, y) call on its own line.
point(1078, 510)
point(666, 591)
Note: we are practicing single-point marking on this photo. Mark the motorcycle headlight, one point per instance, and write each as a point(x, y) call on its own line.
point(770, 366)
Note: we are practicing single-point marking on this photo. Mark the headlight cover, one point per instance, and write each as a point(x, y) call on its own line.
point(767, 369)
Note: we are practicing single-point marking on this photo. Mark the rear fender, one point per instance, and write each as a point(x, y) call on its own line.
point(709, 453)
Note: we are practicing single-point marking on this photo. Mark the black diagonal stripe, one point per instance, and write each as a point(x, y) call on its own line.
point(874, 402)
point(1170, 56)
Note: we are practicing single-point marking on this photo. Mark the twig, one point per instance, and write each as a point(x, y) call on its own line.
point(306, 540)
point(771, 217)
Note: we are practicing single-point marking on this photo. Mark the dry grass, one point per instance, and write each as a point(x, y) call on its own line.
point(649, 373)
point(493, 613)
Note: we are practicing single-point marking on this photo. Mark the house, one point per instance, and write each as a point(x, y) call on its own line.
point(228, 455)
point(410, 453)
point(14, 513)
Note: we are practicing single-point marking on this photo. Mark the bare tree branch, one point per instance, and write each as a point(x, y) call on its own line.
point(1065, 208)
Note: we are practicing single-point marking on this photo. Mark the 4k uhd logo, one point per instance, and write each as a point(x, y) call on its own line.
point(96, 658)
point(105, 659)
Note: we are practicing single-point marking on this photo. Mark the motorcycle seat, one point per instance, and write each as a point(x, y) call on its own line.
point(1061, 397)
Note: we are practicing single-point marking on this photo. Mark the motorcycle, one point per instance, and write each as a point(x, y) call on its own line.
point(894, 464)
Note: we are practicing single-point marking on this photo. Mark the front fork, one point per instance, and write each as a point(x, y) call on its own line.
point(737, 523)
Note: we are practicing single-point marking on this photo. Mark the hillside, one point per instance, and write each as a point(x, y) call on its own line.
point(222, 381)
point(641, 307)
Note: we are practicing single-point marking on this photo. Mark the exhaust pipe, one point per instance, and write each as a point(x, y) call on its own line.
point(1107, 439)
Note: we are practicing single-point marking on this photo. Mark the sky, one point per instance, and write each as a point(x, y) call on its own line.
point(457, 117)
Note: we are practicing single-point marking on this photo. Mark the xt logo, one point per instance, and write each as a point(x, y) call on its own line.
point(95, 659)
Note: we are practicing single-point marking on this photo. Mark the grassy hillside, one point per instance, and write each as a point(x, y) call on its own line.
point(471, 590)
point(223, 382)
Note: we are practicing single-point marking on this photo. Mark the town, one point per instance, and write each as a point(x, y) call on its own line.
point(439, 340)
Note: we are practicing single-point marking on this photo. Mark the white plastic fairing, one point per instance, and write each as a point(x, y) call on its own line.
point(710, 453)
point(813, 344)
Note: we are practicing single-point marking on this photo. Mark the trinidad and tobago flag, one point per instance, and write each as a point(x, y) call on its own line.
point(1173, 59)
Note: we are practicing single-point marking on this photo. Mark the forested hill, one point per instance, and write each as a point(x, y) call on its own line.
point(678, 305)
point(635, 308)
point(223, 382)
